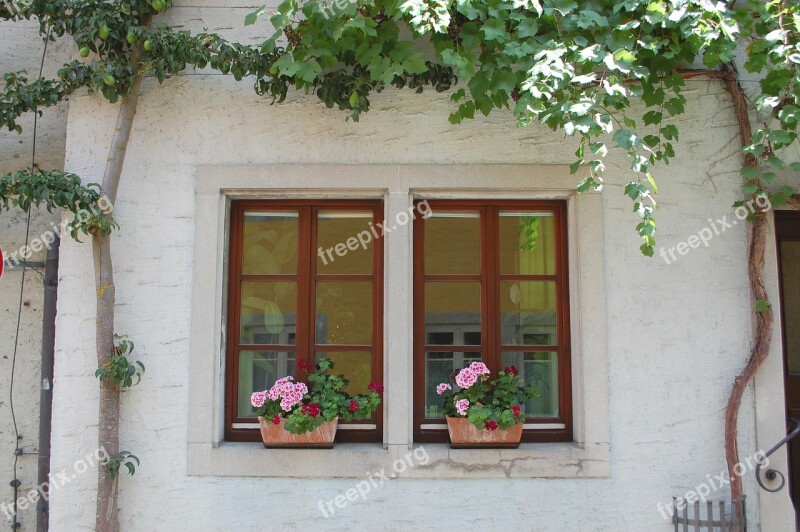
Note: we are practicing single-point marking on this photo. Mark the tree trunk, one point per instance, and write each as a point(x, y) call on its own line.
point(764, 320)
point(106, 519)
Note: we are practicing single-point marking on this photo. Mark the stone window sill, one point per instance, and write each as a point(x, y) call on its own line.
point(359, 460)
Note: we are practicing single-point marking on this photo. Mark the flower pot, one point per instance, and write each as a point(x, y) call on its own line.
point(464, 435)
point(277, 436)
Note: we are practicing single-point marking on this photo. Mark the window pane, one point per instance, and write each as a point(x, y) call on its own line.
point(528, 313)
point(453, 313)
point(453, 243)
point(258, 370)
point(438, 368)
point(269, 243)
point(527, 243)
point(355, 366)
point(790, 269)
point(269, 311)
point(541, 370)
point(344, 242)
point(344, 313)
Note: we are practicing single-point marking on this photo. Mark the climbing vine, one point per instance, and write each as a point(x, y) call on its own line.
point(608, 74)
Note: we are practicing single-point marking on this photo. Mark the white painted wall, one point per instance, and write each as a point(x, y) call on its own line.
point(21, 49)
point(677, 334)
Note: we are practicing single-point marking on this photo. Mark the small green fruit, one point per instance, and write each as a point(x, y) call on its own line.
point(109, 80)
point(148, 45)
point(354, 99)
point(158, 5)
point(273, 70)
point(104, 32)
point(84, 51)
point(131, 37)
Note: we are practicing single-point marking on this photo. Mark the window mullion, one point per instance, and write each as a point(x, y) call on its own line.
point(305, 286)
point(491, 319)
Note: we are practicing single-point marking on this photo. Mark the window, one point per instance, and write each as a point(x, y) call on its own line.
point(302, 286)
point(491, 284)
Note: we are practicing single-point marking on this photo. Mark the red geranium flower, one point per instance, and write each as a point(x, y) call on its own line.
point(276, 420)
point(306, 366)
point(515, 410)
point(491, 425)
point(353, 406)
point(511, 370)
point(311, 409)
point(376, 387)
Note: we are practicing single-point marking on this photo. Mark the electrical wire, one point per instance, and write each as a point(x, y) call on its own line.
point(17, 450)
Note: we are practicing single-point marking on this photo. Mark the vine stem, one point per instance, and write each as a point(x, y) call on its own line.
point(764, 320)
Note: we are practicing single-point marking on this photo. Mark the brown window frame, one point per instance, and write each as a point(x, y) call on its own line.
point(306, 278)
point(490, 314)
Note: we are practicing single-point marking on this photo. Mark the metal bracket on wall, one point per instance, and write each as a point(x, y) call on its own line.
point(24, 266)
point(774, 474)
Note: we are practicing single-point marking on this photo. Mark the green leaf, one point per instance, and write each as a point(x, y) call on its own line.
point(749, 172)
point(652, 182)
point(749, 188)
point(495, 30)
point(251, 18)
point(625, 138)
point(652, 117)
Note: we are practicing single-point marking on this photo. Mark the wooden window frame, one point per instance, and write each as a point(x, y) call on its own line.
point(306, 278)
point(490, 279)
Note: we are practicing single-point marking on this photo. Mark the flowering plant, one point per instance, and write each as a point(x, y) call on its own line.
point(307, 406)
point(488, 404)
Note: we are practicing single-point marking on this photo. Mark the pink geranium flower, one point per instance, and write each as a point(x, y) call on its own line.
point(479, 368)
point(466, 378)
point(258, 399)
point(443, 387)
point(461, 407)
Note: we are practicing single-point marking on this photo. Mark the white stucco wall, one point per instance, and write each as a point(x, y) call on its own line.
point(677, 333)
point(21, 49)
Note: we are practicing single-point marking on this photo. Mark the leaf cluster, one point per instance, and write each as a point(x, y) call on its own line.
point(58, 190)
point(607, 73)
point(492, 399)
point(327, 392)
point(124, 458)
point(119, 368)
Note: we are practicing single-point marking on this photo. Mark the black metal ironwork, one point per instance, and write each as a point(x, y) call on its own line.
point(774, 474)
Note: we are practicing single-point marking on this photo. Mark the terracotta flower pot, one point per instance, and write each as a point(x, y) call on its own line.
point(277, 436)
point(464, 435)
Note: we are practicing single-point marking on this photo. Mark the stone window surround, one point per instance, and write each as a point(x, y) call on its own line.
point(588, 456)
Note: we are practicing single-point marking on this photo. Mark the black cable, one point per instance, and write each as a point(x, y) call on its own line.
point(17, 450)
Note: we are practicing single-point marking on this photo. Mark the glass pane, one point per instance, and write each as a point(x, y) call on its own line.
point(541, 370)
point(527, 243)
point(258, 371)
point(269, 313)
point(453, 243)
point(344, 313)
point(270, 243)
point(528, 313)
point(344, 242)
point(355, 366)
point(453, 313)
point(790, 273)
point(438, 368)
